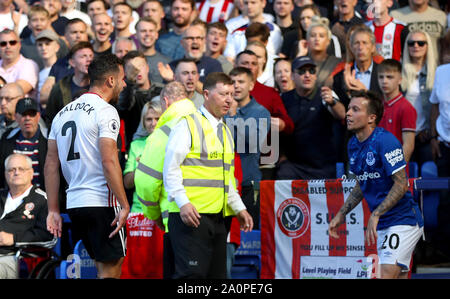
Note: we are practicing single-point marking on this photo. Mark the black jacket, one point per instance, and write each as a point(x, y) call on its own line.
point(28, 222)
point(340, 88)
point(7, 145)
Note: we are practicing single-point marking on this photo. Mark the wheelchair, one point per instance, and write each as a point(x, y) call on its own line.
point(37, 260)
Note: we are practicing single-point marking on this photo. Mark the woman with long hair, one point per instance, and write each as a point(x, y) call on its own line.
point(294, 41)
point(149, 117)
point(318, 37)
point(419, 67)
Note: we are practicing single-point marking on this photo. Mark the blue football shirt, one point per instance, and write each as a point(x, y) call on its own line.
point(374, 161)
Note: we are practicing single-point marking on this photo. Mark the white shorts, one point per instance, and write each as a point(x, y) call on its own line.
point(396, 244)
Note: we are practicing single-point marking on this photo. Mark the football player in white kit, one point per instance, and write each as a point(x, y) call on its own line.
point(83, 141)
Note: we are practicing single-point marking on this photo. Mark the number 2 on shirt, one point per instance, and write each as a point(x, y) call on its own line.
point(72, 125)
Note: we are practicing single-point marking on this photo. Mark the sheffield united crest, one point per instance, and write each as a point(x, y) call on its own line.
point(293, 217)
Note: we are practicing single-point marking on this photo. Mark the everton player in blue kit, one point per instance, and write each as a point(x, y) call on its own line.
point(376, 159)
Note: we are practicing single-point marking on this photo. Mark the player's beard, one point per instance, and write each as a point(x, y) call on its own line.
point(115, 95)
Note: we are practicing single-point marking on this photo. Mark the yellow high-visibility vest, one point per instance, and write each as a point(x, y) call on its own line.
point(208, 168)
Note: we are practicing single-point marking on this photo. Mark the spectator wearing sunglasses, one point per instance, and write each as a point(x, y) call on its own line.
point(309, 152)
point(418, 71)
point(13, 66)
point(420, 15)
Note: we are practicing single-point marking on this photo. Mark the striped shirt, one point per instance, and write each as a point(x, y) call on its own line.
point(214, 12)
point(388, 38)
point(30, 147)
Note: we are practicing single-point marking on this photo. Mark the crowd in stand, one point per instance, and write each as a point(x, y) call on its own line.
point(304, 58)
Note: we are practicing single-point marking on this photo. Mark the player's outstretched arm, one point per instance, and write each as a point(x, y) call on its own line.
point(51, 174)
point(352, 201)
point(397, 191)
point(113, 176)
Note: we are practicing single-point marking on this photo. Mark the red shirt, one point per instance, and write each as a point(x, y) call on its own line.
point(269, 98)
point(399, 116)
point(388, 38)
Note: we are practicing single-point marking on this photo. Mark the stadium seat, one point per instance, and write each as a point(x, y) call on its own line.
point(429, 170)
point(247, 263)
point(340, 170)
point(430, 198)
point(78, 265)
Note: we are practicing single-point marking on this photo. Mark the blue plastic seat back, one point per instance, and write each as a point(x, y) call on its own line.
point(430, 198)
point(429, 170)
point(87, 265)
point(247, 259)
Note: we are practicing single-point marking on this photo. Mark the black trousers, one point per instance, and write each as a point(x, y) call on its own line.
point(168, 266)
point(200, 252)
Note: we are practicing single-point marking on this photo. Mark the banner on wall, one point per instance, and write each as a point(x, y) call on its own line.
point(294, 234)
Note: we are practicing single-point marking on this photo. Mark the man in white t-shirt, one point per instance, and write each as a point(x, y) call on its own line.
point(83, 141)
point(10, 19)
point(252, 13)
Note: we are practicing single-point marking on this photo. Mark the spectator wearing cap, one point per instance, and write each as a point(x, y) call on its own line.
point(10, 94)
point(39, 21)
point(13, 66)
point(309, 153)
point(29, 138)
point(47, 46)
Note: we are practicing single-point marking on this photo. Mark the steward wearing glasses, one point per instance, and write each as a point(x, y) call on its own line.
point(29, 138)
point(13, 66)
point(309, 153)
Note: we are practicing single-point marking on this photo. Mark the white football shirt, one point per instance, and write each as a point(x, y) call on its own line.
point(77, 129)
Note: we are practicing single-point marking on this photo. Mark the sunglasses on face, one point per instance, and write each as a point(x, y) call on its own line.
point(11, 43)
point(421, 43)
point(311, 71)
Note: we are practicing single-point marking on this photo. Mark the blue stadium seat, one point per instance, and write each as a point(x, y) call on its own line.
point(430, 198)
point(340, 170)
point(78, 265)
point(247, 263)
point(429, 170)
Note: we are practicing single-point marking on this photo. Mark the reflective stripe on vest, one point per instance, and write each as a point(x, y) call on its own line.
point(208, 167)
point(147, 203)
point(150, 171)
point(165, 129)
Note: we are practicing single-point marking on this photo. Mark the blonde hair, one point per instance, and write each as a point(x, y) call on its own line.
point(153, 105)
point(318, 21)
point(409, 73)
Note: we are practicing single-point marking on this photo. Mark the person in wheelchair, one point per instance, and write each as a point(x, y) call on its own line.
point(23, 212)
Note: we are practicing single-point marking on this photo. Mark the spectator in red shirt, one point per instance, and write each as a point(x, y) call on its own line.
point(399, 116)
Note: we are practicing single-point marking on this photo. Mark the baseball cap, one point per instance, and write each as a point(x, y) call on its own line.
point(26, 104)
point(48, 34)
point(301, 62)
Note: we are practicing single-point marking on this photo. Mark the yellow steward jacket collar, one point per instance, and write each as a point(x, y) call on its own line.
point(176, 110)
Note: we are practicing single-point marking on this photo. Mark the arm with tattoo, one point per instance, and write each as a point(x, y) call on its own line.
point(353, 200)
point(395, 194)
